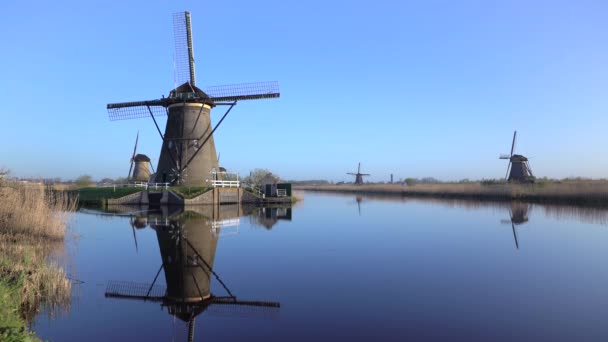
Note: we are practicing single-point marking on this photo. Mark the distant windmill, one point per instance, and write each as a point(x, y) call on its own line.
point(141, 162)
point(518, 169)
point(358, 175)
point(188, 153)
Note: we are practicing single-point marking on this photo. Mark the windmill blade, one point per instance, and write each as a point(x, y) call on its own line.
point(515, 235)
point(359, 169)
point(234, 301)
point(365, 174)
point(504, 156)
point(513, 144)
point(135, 147)
point(231, 307)
point(508, 169)
point(134, 235)
point(350, 173)
point(134, 110)
point(136, 291)
point(244, 91)
point(130, 169)
point(184, 53)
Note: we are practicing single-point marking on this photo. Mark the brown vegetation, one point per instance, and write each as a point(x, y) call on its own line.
point(575, 192)
point(32, 229)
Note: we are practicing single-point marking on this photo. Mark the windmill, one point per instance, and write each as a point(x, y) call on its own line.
point(141, 172)
point(358, 175)
point(518, 169)
point(188, 151)
point(187, 255)
point(519, 215)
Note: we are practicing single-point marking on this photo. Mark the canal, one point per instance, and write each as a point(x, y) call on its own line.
point(339, 267)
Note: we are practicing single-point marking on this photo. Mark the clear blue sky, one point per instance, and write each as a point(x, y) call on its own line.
point(413, 88)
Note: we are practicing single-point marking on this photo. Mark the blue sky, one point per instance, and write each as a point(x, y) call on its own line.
point(433, 88)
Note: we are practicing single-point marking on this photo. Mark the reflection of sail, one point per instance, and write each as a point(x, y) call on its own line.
point(518, 212)
point(187, 242)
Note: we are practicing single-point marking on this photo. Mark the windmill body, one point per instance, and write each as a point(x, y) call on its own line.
point(188, 155)
point(141, 168)
point(358, 175)
point(188, 124)
point(518, 169)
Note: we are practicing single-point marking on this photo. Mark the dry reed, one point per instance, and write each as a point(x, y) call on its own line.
point(32, 227)
point(576, 192)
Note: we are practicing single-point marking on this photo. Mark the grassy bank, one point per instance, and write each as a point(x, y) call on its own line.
point(32, 230)
point(97, 196)
point(566, 192)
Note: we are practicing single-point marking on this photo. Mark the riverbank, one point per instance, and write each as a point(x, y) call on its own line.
point(566, 192)
point(32, 230)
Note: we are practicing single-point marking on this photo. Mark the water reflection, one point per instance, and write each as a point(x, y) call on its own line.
point(518, 212)
point(187, 242)
point(267, 217)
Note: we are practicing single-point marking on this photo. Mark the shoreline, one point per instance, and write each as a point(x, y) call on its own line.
point(588, 193)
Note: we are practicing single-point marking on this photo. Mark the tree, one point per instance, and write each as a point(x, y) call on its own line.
point(84, 180)
point(256, 175)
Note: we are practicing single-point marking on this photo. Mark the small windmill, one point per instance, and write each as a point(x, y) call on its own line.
point(188, 152)
point(139, 170)
point(518, 169)
point(358, 175)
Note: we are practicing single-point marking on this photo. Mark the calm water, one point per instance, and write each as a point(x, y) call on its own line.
point(342, 268)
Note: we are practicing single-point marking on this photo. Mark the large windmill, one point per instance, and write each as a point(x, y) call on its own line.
point(187, 247)
point(139, 171)
point(188, 154)
point(518, 169)
point(358, 175)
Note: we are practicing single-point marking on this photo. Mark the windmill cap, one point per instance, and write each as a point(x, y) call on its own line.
point(183, 90)
point(141, 158)
point(519, 157)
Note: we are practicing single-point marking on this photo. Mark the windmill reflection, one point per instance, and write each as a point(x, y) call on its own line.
point(518, 212)
point(187, 242)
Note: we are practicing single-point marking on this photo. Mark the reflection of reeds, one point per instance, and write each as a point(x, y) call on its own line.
point(32, 228)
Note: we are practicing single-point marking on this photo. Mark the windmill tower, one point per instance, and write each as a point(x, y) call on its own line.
point(188, 154)
point(518, 169)
point(139, 171)
point(358, 175)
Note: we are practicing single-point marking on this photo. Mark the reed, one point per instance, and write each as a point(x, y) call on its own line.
point(32, 230)
point(573, 192)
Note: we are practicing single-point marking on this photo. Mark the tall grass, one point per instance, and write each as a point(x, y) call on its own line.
point(32, 228)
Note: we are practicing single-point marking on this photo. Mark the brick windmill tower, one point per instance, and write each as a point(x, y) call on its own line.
point(188, 155)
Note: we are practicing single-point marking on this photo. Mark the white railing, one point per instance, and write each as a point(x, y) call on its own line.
point(221, 225)
point(225, 184)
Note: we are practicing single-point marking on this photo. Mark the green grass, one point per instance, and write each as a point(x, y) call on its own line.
point(12, 326)
point(190, 191)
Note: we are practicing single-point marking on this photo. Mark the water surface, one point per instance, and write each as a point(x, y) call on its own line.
point(341, 267)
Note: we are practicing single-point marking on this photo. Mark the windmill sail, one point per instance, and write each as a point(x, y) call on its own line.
point(184, 51)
